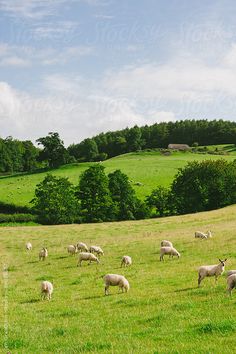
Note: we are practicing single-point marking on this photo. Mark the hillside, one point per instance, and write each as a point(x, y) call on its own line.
point(148, 168)
point(164, 311)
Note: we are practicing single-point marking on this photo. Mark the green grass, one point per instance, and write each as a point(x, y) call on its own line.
point(164, 311)
point(149, 168)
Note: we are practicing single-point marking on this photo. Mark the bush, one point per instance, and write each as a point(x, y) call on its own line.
point(21, 218)
point(7, 208)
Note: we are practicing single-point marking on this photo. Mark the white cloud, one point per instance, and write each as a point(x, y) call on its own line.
point(14, 61)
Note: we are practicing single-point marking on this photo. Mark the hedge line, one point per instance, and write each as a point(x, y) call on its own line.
point(6, 218)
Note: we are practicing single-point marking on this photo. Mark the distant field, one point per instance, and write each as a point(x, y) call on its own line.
point(149, 168)
point(164, 312)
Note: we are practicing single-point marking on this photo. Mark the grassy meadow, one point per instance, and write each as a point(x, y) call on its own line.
point(148, 168)
point(164, 311)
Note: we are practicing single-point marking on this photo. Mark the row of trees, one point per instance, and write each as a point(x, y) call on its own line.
point(197, 187)
point(158, 135)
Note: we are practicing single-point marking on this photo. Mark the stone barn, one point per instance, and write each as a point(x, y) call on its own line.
point(182, 147)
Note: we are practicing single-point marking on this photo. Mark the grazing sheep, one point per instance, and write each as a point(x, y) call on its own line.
point(166, 243)
point(46, 290)
point(43, 254)
point(82, 247)
point(86, 256)
point(171, 251)
point(230, 272)
point(126, 261)
point(211, 270)
point(97, 250)
point(72, 249)
point(115, 280)
point(199, 234)
point(231, 282)
point(28, 246)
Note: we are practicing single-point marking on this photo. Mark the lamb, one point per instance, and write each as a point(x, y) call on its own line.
point(72, 249)
point(82, 247)
point(126, 261)
point(46, 290)
point(43, 254)
point(166, 243)
point(28, 246)
point(211, 270)
point(171, 251)
point(116, 280)
point(86, 256)
point(230, 272)
point(199, 234)
point(97, 250)
point(231, 282)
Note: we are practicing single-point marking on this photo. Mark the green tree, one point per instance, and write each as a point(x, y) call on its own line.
point(55, 201)
point(123, 196)
point(53, 151)
point(160, 200)
point(94, 195)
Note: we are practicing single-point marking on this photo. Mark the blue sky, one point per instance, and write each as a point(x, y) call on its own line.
point(80, 67)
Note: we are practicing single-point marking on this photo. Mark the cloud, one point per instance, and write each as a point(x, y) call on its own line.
point(14, 61)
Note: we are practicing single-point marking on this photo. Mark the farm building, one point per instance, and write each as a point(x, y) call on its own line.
point(178, 147)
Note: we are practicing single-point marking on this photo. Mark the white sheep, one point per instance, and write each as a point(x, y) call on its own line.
point(230, 272)
point(72, 249)
point(82, 247)
point(199, 234)
point(46, 290)
point(86, 256)
point(97, 250)
point(171, 251)
point(231, 282)
point(126, 261)
point(43, 254)
point(166, 243)
point(115, 280)
point(211, 270)
point(28, 246)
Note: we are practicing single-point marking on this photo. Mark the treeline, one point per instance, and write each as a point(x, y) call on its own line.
point(158, 135)
point(197, 187)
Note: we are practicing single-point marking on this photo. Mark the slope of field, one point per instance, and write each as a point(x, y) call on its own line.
point(164, 311)
point(148, 168)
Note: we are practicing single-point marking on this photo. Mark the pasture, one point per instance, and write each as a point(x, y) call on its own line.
point(164, 311)
point(148, 168)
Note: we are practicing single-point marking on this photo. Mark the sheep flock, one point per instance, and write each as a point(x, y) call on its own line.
point(92, 254)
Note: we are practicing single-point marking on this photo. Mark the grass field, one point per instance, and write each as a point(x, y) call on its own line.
point(149, 168)
point(164, 311)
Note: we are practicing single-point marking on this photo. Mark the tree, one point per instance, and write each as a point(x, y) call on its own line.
point(123, 196)
point(133, 138)
point(160, 200)
point(94, 195)
point(55, 201)
point(204, 185)
point(53, 151)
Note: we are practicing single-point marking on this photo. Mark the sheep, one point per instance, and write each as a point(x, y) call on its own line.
point(230, 272)
point(97, 250)
point(231, 282)
point(116, 280)
point(43, 254)
point(72, 249)
point(126, 261)
point(166, 243)
point(46, 290)
point(199, 234)
point(86, 256)
point(82, 247)
point(171, 251)
point(28, 246)
point(211, 270)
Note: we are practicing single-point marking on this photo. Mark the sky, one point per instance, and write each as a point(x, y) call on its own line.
point(81, 67)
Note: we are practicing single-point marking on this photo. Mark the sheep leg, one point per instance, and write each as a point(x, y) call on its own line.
point(199, 280)
point(106, 290)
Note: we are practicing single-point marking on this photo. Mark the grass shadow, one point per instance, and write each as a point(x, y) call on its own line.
point(31, 301)
point(186, 289)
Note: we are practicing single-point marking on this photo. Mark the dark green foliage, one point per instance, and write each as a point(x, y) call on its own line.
point(87, 150)
point(55, 201)
point(127, 205)
point(54, 152)
point(20, 218)
point(94, 195)
point(160, 200)
point(6, 208)
point(204, 185)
